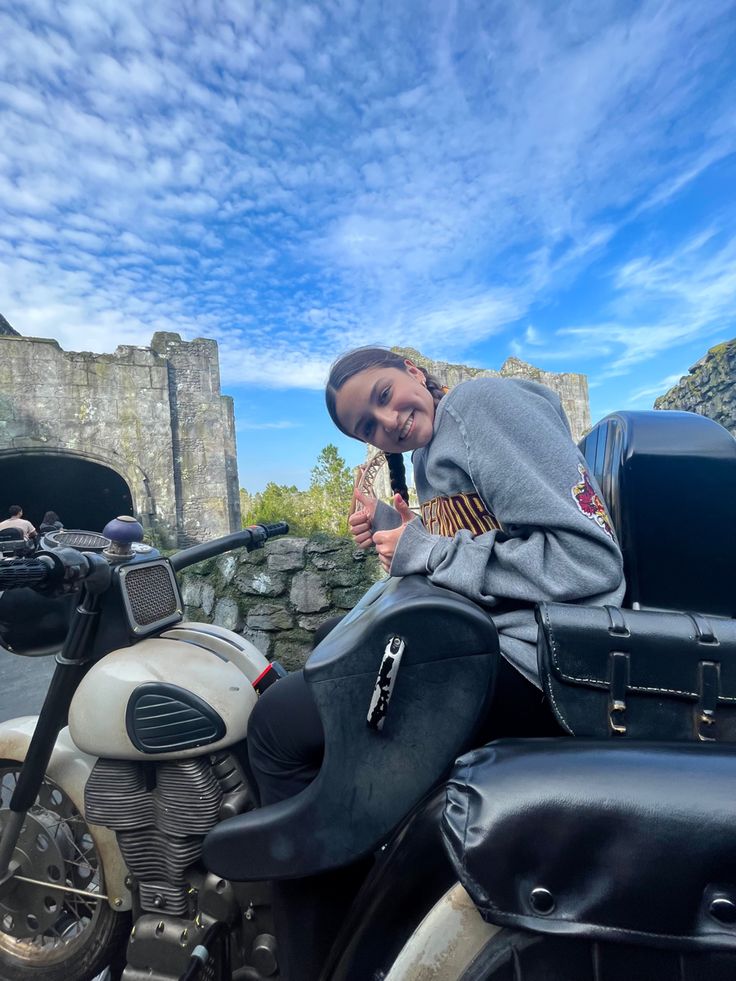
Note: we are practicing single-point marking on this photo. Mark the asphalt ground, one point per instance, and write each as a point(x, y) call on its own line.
point(23, 683)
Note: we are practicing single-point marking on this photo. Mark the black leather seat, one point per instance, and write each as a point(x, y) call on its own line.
point(371, 779)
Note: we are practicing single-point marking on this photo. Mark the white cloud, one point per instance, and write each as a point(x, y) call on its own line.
point(292, 178)
point(648, 394)
point(661, 302)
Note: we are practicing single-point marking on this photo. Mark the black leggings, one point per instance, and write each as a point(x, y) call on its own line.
point(286, 741)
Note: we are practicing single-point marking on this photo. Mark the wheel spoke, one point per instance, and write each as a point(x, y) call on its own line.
point(73, 845)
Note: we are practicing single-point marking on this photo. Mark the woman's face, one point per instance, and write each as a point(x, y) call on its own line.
point(388, 407)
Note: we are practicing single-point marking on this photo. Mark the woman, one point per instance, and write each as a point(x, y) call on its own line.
point(509, 517)
point(51, 522)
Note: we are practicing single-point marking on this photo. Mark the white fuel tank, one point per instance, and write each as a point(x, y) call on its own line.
point(185, 693)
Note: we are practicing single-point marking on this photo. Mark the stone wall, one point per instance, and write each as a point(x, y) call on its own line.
point(278, 596)
point(709, 388)
point(154, 416)
point(572, 388)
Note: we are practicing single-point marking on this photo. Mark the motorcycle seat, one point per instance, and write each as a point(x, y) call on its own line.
point(372, 777)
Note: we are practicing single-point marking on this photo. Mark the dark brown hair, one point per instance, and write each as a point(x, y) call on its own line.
point(361, 359)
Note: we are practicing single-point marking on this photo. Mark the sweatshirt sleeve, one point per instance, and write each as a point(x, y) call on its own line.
point(511, 441)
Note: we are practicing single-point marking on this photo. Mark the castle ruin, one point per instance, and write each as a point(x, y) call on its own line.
point(143, 431)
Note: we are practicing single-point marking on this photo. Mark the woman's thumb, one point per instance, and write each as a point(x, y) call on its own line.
point(403, 508)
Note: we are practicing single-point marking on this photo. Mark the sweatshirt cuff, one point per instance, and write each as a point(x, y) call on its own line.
point(413, 550)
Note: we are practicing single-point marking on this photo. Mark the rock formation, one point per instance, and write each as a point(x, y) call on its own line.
point(6, 330)
point(709, 387)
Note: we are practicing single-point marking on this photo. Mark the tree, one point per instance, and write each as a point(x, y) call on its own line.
point(331, 490)
point(324, 507)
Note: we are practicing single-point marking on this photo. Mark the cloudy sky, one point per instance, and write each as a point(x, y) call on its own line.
point(476, 179)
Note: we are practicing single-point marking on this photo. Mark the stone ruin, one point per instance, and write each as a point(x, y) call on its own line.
point(143, 431)
point(708, 388)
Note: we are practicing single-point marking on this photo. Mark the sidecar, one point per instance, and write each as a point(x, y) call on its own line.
point(610, 854)
point(614, 853)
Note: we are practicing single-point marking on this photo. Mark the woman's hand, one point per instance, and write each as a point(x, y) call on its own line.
point(386, 542)
point(360, 522)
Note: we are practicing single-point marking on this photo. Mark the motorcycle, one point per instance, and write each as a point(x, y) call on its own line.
point(131, 847)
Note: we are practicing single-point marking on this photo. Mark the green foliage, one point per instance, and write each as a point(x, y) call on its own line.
point(324, 507)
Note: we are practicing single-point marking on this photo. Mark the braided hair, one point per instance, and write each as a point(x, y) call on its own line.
point(375, 357)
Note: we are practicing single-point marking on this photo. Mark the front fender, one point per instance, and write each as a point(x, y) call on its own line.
point(445, 943)
point(70, 769)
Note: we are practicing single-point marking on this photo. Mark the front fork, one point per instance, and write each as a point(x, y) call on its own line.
point(71, 664)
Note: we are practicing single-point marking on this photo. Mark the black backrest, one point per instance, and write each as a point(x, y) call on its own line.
point(11, 535)
point(669, 479)
point(370, 780)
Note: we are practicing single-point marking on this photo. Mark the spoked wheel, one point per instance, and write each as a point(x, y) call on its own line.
point(49, 932)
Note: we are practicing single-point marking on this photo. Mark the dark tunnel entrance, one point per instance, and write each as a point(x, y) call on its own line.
point(84, 494)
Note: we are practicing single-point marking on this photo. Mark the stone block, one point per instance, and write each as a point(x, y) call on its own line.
point(267, 616)
point(207, 600)
point(191, 592)
point(346, 575)
point(292, 652)
point(321, 544)
point(308, 593)
point(310, 621)
point(227, 614)
point(286, 554)
point(260, 582)
point(260, 639)
point(226, 565)
point(257, 557)
point(327, 561)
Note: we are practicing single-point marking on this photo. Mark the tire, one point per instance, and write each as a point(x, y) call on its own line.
point(48, 934)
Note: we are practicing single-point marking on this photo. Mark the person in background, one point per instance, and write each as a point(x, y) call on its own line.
point(15, 519)
point(51, 522)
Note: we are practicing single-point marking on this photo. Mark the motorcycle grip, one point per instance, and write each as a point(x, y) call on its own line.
point(250, 538)
point(27, 572)
point(276, 528)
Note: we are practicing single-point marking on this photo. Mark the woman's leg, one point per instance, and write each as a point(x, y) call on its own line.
point(285, 748)
point(285, 739)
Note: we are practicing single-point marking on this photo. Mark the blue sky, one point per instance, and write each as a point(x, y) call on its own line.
point(475, 179)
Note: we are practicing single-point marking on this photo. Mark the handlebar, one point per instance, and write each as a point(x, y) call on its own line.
point(250, 538)
point(66, 567)
point(27, 572)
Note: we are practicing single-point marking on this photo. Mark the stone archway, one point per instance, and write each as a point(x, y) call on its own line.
point(84, 493)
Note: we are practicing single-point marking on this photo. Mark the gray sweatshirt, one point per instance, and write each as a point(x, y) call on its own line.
point(510, 514)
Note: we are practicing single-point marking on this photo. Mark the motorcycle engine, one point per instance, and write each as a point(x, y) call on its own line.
point(161, 814)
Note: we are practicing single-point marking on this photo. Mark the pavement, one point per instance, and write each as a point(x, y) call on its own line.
point(23, 683)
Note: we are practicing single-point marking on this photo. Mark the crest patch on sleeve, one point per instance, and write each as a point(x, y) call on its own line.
point(589, 502)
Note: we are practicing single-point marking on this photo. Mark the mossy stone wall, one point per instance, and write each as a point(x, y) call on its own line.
point(709, 387)
point(278, 596)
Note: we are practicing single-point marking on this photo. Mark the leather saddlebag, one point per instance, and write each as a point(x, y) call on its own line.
point(641, 674)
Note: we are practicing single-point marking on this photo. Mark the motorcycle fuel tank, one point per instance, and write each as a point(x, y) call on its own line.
point(165, 698)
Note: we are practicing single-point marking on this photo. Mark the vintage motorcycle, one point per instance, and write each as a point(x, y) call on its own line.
point(131, 848)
